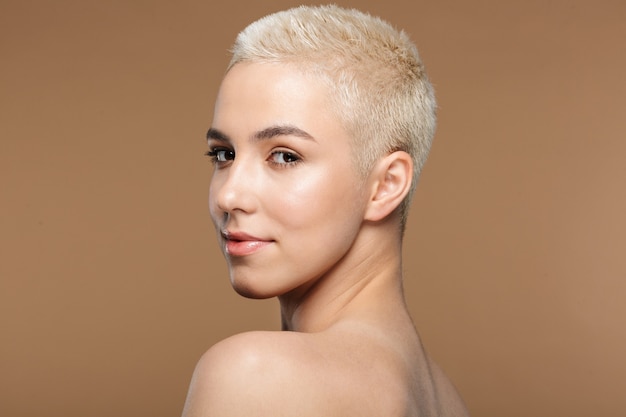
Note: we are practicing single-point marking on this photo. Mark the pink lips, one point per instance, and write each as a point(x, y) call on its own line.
point(242, 244)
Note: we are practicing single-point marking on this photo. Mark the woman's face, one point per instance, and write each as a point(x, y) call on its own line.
point(285, 198)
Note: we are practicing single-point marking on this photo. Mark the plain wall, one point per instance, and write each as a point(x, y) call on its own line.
point(111, 283)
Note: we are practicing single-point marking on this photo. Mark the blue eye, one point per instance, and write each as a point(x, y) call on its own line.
point(284, 158)
point(220, 155)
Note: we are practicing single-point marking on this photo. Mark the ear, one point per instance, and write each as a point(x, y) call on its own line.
point(390, 182)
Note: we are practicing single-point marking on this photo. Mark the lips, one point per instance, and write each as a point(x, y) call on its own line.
point(242, 244)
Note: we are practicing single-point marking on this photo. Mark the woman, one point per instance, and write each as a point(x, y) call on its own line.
point(321, 126)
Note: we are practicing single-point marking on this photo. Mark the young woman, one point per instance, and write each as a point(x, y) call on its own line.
point(321, 126)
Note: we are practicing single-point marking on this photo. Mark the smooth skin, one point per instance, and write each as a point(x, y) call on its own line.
point(296, 221)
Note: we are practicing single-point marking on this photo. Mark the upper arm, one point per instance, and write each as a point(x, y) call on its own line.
point(253, 374)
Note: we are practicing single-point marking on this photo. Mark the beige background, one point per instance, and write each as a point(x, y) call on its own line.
point(111, 285)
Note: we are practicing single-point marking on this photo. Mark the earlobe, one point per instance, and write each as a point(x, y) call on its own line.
point(391, 182)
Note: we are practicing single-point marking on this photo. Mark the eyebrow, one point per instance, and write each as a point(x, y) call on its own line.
point(217, 135)
point(267, 133)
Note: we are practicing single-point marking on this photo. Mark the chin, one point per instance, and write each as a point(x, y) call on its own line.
point(249, 290)
point(254, 295)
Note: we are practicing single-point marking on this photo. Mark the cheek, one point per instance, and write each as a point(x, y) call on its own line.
point(316, 199)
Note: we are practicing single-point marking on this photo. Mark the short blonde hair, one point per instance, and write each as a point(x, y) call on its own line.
point(380, 89)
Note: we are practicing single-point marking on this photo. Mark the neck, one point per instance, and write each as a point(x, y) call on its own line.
point(366, 283)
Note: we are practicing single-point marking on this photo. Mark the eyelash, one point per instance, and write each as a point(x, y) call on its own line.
point(215, 152)
point(295, 159)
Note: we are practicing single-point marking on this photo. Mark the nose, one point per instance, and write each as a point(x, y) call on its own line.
point(232, 188)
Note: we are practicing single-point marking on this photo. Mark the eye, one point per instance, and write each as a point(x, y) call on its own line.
point(221, 155)
point(284, 158)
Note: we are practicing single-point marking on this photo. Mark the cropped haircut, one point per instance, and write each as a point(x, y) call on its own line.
point(378, 84)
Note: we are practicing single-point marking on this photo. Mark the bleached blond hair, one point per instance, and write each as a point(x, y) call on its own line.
point(378, 84)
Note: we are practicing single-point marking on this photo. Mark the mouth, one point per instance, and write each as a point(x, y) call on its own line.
point(238, 244)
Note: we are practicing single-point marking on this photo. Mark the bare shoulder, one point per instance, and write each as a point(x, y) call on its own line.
point(257, 373)
point(337, 373)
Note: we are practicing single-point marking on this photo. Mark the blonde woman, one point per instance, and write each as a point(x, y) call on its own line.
point(321, 127)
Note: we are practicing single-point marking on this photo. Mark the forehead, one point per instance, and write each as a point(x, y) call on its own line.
point(254, 96)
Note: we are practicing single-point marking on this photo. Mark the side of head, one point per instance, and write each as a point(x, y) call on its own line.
point(380, 89)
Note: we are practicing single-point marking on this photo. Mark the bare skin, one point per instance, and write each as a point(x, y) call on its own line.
point(297, 222)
